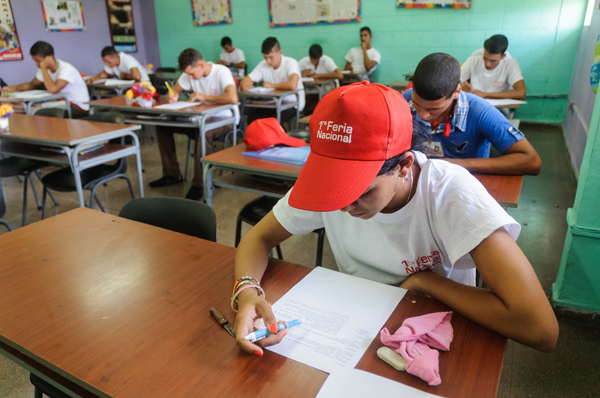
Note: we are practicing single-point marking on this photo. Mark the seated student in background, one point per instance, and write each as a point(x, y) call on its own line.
point(209, 83)
point(231, 56)
point(318, 66)
point(460, 126)
point(275, 71)
point(393, 216)
point(121, 65)
point(58, 76)
point(492, 73)
point(365, 58)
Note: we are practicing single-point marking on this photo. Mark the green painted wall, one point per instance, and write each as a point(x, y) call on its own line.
point(543, 36)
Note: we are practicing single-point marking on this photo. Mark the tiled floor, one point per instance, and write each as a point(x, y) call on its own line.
point(569, 371)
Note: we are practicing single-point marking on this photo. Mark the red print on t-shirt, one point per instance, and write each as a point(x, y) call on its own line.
point(423, 263)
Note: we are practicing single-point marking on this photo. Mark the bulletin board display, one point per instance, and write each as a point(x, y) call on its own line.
point(120, 23)
point(10, 47)
point(310, 12)
point(434, 3)
point(63, 15)
point(211, 12)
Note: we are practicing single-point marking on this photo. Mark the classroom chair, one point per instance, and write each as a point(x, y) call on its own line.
point(3, 208)
point(181, 215)
point(63, 180)
point(14, 166)
point(256, 209)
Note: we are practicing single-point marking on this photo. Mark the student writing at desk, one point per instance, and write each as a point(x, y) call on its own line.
point(58, 76)
point(363, 59)
point(394, 216)
point(231, 56)
point(121, 65)
point(318, 66)
point(460, 126)
point(492, 73)
point(209, 83)
point(275, 71)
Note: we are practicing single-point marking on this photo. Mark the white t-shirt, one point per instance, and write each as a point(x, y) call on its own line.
point(450, 214)
point(127, 63)
point(76, 91)
point(326, 65)
point(501, 78)
point(236, 56)
point(289, 66)
point(213, 84)
point(357, 60)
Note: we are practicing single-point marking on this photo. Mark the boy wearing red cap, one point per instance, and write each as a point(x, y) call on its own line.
point(393, 216)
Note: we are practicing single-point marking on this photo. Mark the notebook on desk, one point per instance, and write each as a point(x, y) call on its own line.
point(295, 155)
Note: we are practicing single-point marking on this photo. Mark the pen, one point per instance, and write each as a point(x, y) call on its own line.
point(170, 89)
point(260, 334)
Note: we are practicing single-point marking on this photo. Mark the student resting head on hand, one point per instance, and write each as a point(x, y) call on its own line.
point(393, 216)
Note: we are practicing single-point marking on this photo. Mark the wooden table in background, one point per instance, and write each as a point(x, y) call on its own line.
point(28, 102)
point(273, 99)
point(109, 307)
point(320, 85)
point(63, 141)
point(239, 171)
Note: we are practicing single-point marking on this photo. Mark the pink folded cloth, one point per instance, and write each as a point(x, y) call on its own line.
point(416, 339)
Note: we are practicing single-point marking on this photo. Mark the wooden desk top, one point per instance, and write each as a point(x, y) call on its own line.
point(506, 189)
point(56, 131)
point(121, 308)
point(120, 103)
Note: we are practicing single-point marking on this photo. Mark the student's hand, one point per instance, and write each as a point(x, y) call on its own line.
point(251, 308)
point(307, 72)
point(466, 87)
point(172, 98)
point(268, 85)
point(246, 84)
point(8, 89)
point(197, 97)
point(221, 62)
point(93, 79)
point(479, 93)
point(364, 46)
point(46, 63)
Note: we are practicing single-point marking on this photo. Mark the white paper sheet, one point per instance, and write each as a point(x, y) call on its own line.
point(31, 94)
point(354, 383)
point(177, 105)
point(505, 102)
point(308, 79)
point(341, 315)
point(118, 82)
point(260, 90)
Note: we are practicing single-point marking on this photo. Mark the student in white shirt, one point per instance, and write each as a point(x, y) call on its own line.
point(58, 76)
point(396, 217)
point(279, 72)
point(317, 66)
point(363, 59)
point(121, 65)
point(231, 56)
point(209, 83)
point(492, 73)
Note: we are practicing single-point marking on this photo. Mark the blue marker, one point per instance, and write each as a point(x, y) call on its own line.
point(261, 334)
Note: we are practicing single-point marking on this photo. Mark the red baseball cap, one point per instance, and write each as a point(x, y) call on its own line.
point(263, 133)
point(353, 129)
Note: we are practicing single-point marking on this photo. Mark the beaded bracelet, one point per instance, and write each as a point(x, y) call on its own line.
point(241, 280)
point(261, 294)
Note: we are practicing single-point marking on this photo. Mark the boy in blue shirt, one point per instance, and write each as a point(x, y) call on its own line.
point(460, 127)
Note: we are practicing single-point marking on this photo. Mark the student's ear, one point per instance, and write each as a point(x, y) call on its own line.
point(456, 92)
point(406, 163)
point(503, 56)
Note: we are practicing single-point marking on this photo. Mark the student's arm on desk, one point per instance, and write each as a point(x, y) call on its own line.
point(515, 304)
point(228, 97)
point(348, 66)
point(240, 65)
point(176, 89)
point(101, 75)
point(521, 158)
point(22, 87)
point(289, 85)
point(251, 259)
point(134, 74)
point(336, 74)
point(518, 92)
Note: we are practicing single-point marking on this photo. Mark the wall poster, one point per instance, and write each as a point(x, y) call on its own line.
point(310, 12)
point(211, 12)
point(434, 3)
point(10, 47)
point(120, 21)
point(63, 15)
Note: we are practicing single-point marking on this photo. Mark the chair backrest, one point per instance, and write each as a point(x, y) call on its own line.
point(176, 214)
point(2, 203)
point(167, 69)
point(51, 112)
